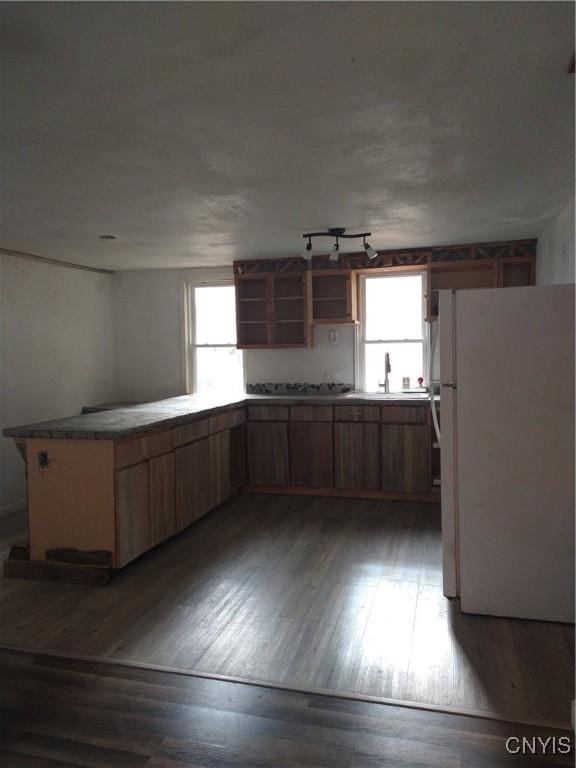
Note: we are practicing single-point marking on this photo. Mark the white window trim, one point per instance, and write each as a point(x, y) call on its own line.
point(190, 329)
point(362, 341)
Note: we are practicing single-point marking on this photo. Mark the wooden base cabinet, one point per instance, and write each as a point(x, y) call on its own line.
point(133, 535)
point(192, 482)
point(268, 453)
point(219, 468)
point(406, 459)
point(357, 456)
point(311, 453)
point(162, 486)
point(238, 466)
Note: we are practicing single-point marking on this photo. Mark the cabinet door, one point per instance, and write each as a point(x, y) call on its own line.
point(132, 512)
point(192, 482)
point(311, 453)
point(237, 457)
point(357, 456)
point(162, 479)
point(219, 471)
point(406, 460)
point(268, 453)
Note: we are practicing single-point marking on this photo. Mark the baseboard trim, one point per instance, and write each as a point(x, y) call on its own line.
point(14, 506)
point(326, 692)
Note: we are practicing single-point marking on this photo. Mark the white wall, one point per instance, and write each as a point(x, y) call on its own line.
point(556, 253)
point(56, 352)
point(322, 362)
point(149, 311)
point(148, 317)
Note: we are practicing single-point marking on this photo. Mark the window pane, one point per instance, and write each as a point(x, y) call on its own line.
point(405, 360)
point(215, 316)
point(219, 370)
point(393, 307)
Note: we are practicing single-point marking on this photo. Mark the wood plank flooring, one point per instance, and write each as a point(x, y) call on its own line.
point(309, 593)
point(58, 713)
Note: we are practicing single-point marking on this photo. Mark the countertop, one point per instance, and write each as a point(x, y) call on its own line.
point(122, 423)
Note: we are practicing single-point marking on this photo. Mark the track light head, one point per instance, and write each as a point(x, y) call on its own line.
point(335, 252)
point(307, 252)
point(370, 252)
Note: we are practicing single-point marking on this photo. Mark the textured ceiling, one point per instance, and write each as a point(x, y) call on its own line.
point(202, 132)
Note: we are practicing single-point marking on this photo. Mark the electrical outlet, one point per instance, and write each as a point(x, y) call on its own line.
point(332, 337)
point(43, 460)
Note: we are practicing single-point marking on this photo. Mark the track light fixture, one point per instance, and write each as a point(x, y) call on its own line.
point(337, 233)
point(370, 252)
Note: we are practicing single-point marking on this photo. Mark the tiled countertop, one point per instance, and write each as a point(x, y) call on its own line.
point(121, 423)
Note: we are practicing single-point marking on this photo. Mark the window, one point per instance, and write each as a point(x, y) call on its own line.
point(393, 322)
point(216, 366)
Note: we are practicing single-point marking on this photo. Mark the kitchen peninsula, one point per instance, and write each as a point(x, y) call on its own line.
point(103, 488)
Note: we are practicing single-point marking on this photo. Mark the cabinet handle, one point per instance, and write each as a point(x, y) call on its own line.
point(353, 413)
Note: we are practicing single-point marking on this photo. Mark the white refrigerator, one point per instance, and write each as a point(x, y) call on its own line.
point(507, 450)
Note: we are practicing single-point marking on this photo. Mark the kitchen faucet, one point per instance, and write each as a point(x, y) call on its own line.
point(387, 370)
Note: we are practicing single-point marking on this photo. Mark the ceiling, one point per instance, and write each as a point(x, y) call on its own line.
point(198, 133)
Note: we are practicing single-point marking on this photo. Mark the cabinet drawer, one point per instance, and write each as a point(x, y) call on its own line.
point(357, 413)
point(268, 413)
point(311, 413)
point(237, 417)
point(226, 420)
point(188, 433)
point(404, 414)
point(129, 452)
point(219, 422)
point(159, 443)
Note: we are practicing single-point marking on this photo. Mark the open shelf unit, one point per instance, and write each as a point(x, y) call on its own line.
point(271, 311)
point(474, 274)
point(332, 296)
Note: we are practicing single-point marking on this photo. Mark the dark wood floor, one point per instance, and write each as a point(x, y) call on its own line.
point(58, 713)
point(310, 593)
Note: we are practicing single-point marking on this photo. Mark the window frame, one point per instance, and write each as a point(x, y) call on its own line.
point(190, 333)
point(362, 342)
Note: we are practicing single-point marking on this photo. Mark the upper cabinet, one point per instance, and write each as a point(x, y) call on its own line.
point(473, 274)
point(279, 301)
point(513, 272)
point(271, 310)
point(512, 266)
point(332, 296)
